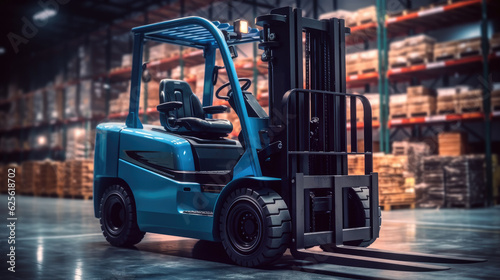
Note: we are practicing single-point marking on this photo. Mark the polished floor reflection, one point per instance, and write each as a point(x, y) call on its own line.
point(60, 239)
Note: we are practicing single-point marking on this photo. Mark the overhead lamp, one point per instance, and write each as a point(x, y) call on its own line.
point(43, 15)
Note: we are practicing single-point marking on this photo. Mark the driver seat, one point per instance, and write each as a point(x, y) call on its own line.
point(181, 112)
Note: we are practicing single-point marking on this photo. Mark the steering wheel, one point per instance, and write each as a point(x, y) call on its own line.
point(245, 86)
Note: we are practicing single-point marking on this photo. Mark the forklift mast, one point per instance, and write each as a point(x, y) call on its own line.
point(307, 84)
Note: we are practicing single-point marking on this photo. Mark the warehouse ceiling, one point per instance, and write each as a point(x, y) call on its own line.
point(30, 26)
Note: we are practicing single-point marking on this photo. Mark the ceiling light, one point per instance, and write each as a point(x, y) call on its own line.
point(44, 14)
point(2, 50)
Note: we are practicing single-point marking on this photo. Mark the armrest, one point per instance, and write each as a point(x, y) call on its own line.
point(169, 106)
point(215, 109)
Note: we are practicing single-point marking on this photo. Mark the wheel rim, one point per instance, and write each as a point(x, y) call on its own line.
point(115, 216)
point(244, 226)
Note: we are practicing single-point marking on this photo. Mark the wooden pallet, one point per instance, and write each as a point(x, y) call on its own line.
point(447, 107)
point(469, 53)
point(421, 110)
point(471, 105)
point(394, 206)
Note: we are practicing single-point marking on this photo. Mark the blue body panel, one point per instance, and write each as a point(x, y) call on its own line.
point(144, 158)
point(160, 203)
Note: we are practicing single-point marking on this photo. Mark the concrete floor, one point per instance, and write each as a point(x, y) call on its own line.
point(60, 239)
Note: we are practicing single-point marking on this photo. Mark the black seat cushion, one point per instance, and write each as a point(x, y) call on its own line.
point(191, 116)
point(206, 125)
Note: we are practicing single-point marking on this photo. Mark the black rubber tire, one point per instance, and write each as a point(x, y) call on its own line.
point(359, 209)
point(118, 217)
point(255, 226)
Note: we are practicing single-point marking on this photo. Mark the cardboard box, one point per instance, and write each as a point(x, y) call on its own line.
point(452, 143)
point(418, 91)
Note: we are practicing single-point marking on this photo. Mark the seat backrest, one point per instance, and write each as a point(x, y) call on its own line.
point(176, 90)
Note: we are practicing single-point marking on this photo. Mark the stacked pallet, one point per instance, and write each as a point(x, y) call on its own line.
point(445, 51)
point(420, 101)
point(470, 101)
point(432, 193)
point(52, 178)
point(469, 47)
point(362, 62)
point(398, 107)
point(464, 181)
point(79, 178)
point(366, 15)
point(410, 51)
point(452, 143)
point(395, 190)
point(162, 51)
point(419, 49)
point(31, 179)
point(448, 99)
point(348, 16)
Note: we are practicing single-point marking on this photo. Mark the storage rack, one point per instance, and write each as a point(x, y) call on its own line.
point(385, 28)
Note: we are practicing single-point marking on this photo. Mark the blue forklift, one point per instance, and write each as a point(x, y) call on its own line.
point(282, 184)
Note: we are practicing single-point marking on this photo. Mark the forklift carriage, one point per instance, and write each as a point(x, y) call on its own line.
point(283, 184)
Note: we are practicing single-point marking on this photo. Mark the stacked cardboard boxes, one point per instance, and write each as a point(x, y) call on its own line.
point(452, 143)
point(31, 178)
point(52, 178)
point(469, 47)
point(412, 50)
point(445, 51)
point(470, 101)
point(348, 16)
point(420, 101)
point(81, 178)
point(448, 99)
point(362, 62)
point(398, 107)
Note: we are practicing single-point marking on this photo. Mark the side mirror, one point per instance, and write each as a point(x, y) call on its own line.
point(146, 76)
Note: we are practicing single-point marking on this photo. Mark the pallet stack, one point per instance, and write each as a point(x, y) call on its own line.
point(82, 172)
point(452, 143)
point(79, 178)
point(431, 195)
point(411, 51)
point(53, 178)
point(348, 16)
point(464, 181)
point(362, 62)
point(469, 47)
point(395, 190)
point(420, 101)
point(470, 101)
point(448, 99)
point(398, 107)
point(445, 51)
point(31, 179)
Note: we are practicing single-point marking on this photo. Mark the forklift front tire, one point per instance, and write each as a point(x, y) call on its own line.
point(255, 226)
point(118, 217)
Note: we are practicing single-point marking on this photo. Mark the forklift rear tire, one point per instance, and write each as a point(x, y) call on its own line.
point(118, 217)
point(255, 226)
